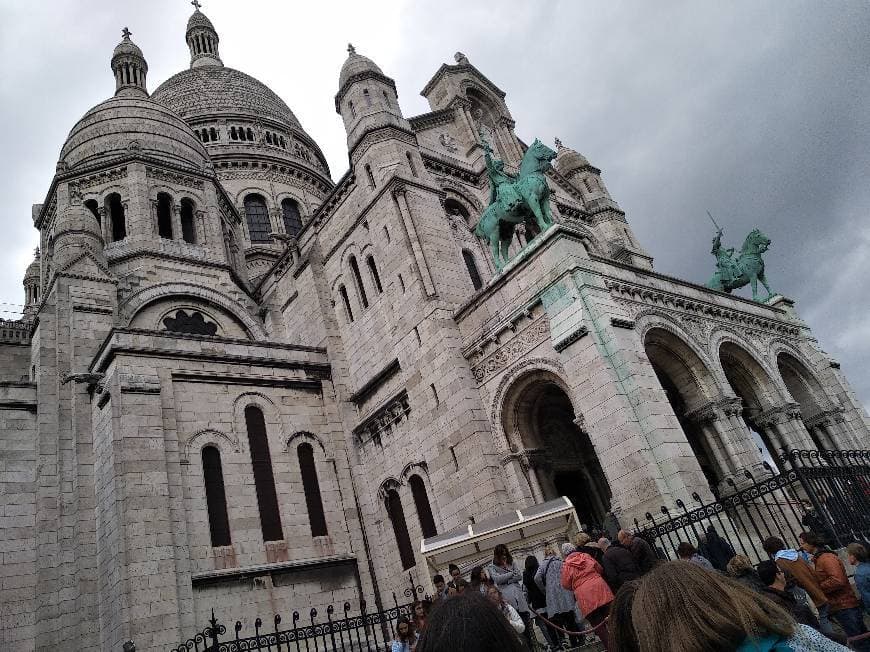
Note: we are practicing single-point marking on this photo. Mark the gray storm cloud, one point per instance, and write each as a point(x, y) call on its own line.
point(759, 112)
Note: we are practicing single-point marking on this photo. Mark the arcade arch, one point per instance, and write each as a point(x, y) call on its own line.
point(807, 391)
point(558, 457)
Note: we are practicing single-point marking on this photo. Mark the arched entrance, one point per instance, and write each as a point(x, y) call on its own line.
point(560, 460)
point(752, 384)
point(808, 392)
point(690, 387)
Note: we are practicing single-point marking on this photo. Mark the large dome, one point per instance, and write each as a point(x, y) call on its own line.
point(128, 123)
point(213, 90)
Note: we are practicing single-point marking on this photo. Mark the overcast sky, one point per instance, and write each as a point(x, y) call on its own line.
point(757, 111)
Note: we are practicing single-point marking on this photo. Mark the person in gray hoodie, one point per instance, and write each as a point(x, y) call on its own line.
point(560, 602)
point(509, 579)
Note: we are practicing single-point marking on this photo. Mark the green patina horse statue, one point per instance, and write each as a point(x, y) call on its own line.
point(514, 200)
point(747, 268)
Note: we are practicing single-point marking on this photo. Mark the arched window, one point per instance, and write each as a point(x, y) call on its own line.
point(386, 98)
point(164, 215)
point(343, 292)
point(400, 528)
point(424, 510)
point(292, 219)
point(367, 97)
point(242, 133)
point(283, 142)
point(311, 487)
point(411, 164)
point(472, 269)
point(352, 109)
point(188, 224)
point(264, 480)
point(250, 134)
point(92, 206)
point(359, 282)
point(370, 175)
point(116, 213)
point(257, 215)
point(233, 133)
point(213, 133)
point(215, 497)
point(269, 137)
point(376, 279)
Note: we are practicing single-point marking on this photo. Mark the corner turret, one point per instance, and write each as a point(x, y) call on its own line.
point(130, 68)
point(202, 39)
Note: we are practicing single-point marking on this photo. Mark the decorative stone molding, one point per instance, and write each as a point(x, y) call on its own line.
point(621, 322)
point(440, 167)
point(382, 421)
point(716, 409)
point(211, 437)
point(699, 317)
point(512, 350)
point(433, 119)
point(779, 415)
point(173, 177)
point(564, 343)
point(826, 418)
point(529, 459)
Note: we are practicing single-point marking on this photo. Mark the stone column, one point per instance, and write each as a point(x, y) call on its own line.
point(399, 194)
point(519, 478)
point(785, 422)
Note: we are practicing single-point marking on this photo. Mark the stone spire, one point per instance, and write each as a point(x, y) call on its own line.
point(130, 67)
point(202, 39)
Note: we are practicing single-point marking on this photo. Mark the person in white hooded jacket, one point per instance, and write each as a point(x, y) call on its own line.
point(493, 594)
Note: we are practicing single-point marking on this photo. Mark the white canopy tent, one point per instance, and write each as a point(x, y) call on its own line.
point(521, 529)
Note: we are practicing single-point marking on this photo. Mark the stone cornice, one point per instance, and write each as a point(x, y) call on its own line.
point(390, 370)
point(360, 76)
point(377, 134)
point(460, 68)
point(656, 298)
point(382, 420)
point(439, 165)
point(433, 119)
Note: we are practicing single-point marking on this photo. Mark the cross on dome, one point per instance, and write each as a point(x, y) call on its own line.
point(196, 4)
point(126, 33)
point(350, 49)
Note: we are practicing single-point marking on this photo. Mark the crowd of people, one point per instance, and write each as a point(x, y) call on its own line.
point(709, 599)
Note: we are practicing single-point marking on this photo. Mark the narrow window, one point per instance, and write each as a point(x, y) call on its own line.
point(312, 490)
point(386, 98)
point(424, 510)
point(257, 215)
point(242, 133)
point(164, 215)
point(91, 205)
point(359, 282)
point(472, 269)
point(367, 97)
point(188, 224)
point(434, 393)
point(264, 480)
point(283, 143)
point(411, 164)
point(370, 261)
point(400, 528)
point(402, 283)
point(417, 335)
point(269, 137)
point(215, 497)
point(292, 219)
point(387, 234)
point(352, 109)
point(213, 134)
point(370, 175)
point(116, 212)
point(343, 292)
point(233, 133)
point(250, 134)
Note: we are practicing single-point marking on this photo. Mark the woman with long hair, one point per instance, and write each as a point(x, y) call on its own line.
point(508, 578)
point(419, 615)
point(680, 607)
point(469, 623)
point(406, 639)
point(479, 580)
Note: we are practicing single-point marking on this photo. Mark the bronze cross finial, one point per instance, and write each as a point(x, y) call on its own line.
point(126, 33)
point(196, 4)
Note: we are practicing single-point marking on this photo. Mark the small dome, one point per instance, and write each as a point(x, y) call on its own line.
point(199, 19)
point(355, 64)
point(33, 268)
point(124, 124)
point(568, 160)
point(127, 47)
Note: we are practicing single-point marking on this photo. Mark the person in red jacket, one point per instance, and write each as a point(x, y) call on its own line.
point(583, 575)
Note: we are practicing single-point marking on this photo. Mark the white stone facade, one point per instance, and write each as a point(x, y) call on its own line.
point(159, 313)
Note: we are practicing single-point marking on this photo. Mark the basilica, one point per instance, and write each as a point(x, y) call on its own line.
point(242, 385)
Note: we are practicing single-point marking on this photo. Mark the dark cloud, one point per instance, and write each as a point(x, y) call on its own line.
point(759, 112)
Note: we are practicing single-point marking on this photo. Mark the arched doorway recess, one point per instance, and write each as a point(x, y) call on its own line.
point(556, 453)
point(821, 423)
point(692, 392)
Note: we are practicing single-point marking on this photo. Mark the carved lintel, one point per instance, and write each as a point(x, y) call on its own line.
point(622, 322)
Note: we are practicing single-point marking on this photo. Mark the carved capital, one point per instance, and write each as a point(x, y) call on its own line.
point(706, 413)
point(399, 190)
point(779, 415)
point(826, 418)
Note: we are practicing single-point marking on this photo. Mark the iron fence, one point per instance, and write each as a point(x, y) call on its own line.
point(345, 629)
point(827, 492)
